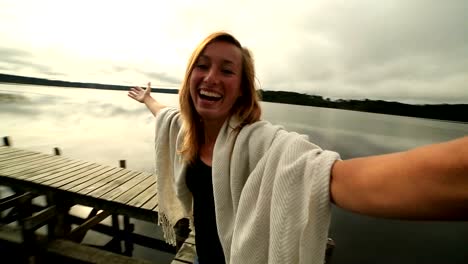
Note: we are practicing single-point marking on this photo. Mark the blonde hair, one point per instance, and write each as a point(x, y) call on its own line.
point(246, 108)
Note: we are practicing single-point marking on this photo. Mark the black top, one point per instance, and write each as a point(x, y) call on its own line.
point(199, 182)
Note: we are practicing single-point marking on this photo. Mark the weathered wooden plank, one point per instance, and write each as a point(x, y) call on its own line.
point(57, 171)
point(60, 172)
point(86, 188)
point(67, 175)
point(15, 154)
point(18, 152)
point(176, 261)
point(48, 169)
point(22, 160)
point(44, 170)
point(151, 204)
point(191, 238)
point(77, 175)
point(113, 184)
point(129, 194)
point(186, 253)
point(144, 196)
point(90, 179)
point(35, 165)
point(12, 151)
point(121, 188)
point(6, 149)
point(24, 163)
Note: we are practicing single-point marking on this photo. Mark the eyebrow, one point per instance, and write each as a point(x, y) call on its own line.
point(202, 56)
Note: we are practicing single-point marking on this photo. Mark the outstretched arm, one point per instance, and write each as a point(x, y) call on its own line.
point(144, 96)
point(429, 182)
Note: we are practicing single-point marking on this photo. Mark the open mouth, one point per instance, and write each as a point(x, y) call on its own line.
point(210, 96)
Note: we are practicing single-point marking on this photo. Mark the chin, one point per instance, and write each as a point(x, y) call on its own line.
point(210, 116)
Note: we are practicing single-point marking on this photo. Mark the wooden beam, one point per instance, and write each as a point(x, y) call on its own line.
point(77, 198)
point(138, 239)
point(41, 218)
point(78, 233)
point(76, 253)
point(15, 200)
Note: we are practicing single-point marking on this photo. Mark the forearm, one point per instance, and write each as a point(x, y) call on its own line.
point(429, 182)
point(153, 105)
point(441, 175)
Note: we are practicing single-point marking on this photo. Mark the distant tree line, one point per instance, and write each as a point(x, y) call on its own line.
point(452, 112)
point(39, 81)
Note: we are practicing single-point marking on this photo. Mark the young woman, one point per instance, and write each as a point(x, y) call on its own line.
point(258, 194)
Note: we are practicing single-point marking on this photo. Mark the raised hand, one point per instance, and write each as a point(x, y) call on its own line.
point(144, 96)
point(139, 94)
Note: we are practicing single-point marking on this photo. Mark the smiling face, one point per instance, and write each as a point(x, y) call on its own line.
point(215, 81)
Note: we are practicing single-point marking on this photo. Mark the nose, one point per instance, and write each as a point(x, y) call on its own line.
point(211, 77)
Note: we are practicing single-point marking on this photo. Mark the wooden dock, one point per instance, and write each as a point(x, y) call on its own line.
point(187, 252)
point(113, 192)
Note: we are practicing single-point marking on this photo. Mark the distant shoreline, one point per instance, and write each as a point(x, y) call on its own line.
point(446, 112)
point(7, 78)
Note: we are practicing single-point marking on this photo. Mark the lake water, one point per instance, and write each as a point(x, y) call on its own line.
point(106, 126)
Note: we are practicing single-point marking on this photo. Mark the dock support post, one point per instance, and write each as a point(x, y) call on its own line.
point(6, 141)
point(128, 227)
point(114, 244)
point(57, 151)
point(28, 236)
point(53, 222)
point(128, 230)
point(60, 226)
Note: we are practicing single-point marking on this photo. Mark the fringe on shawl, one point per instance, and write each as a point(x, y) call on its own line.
point(168, 229)
point(169, 232)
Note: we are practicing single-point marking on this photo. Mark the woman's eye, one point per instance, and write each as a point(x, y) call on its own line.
point(227, 71)
point(202, 66)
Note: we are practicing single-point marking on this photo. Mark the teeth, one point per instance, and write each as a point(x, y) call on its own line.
point(210, 94)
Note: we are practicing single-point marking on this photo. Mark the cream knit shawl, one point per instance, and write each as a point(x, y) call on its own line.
point(271, 191)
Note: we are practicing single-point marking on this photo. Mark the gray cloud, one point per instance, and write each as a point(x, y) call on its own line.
point(400, 50)
point(159, 77)
point(376, 32)
point(394, 50)
point(162, 77)
point(8, 53)
point(14, 60)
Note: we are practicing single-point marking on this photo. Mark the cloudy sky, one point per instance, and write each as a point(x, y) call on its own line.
point(402, 50)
